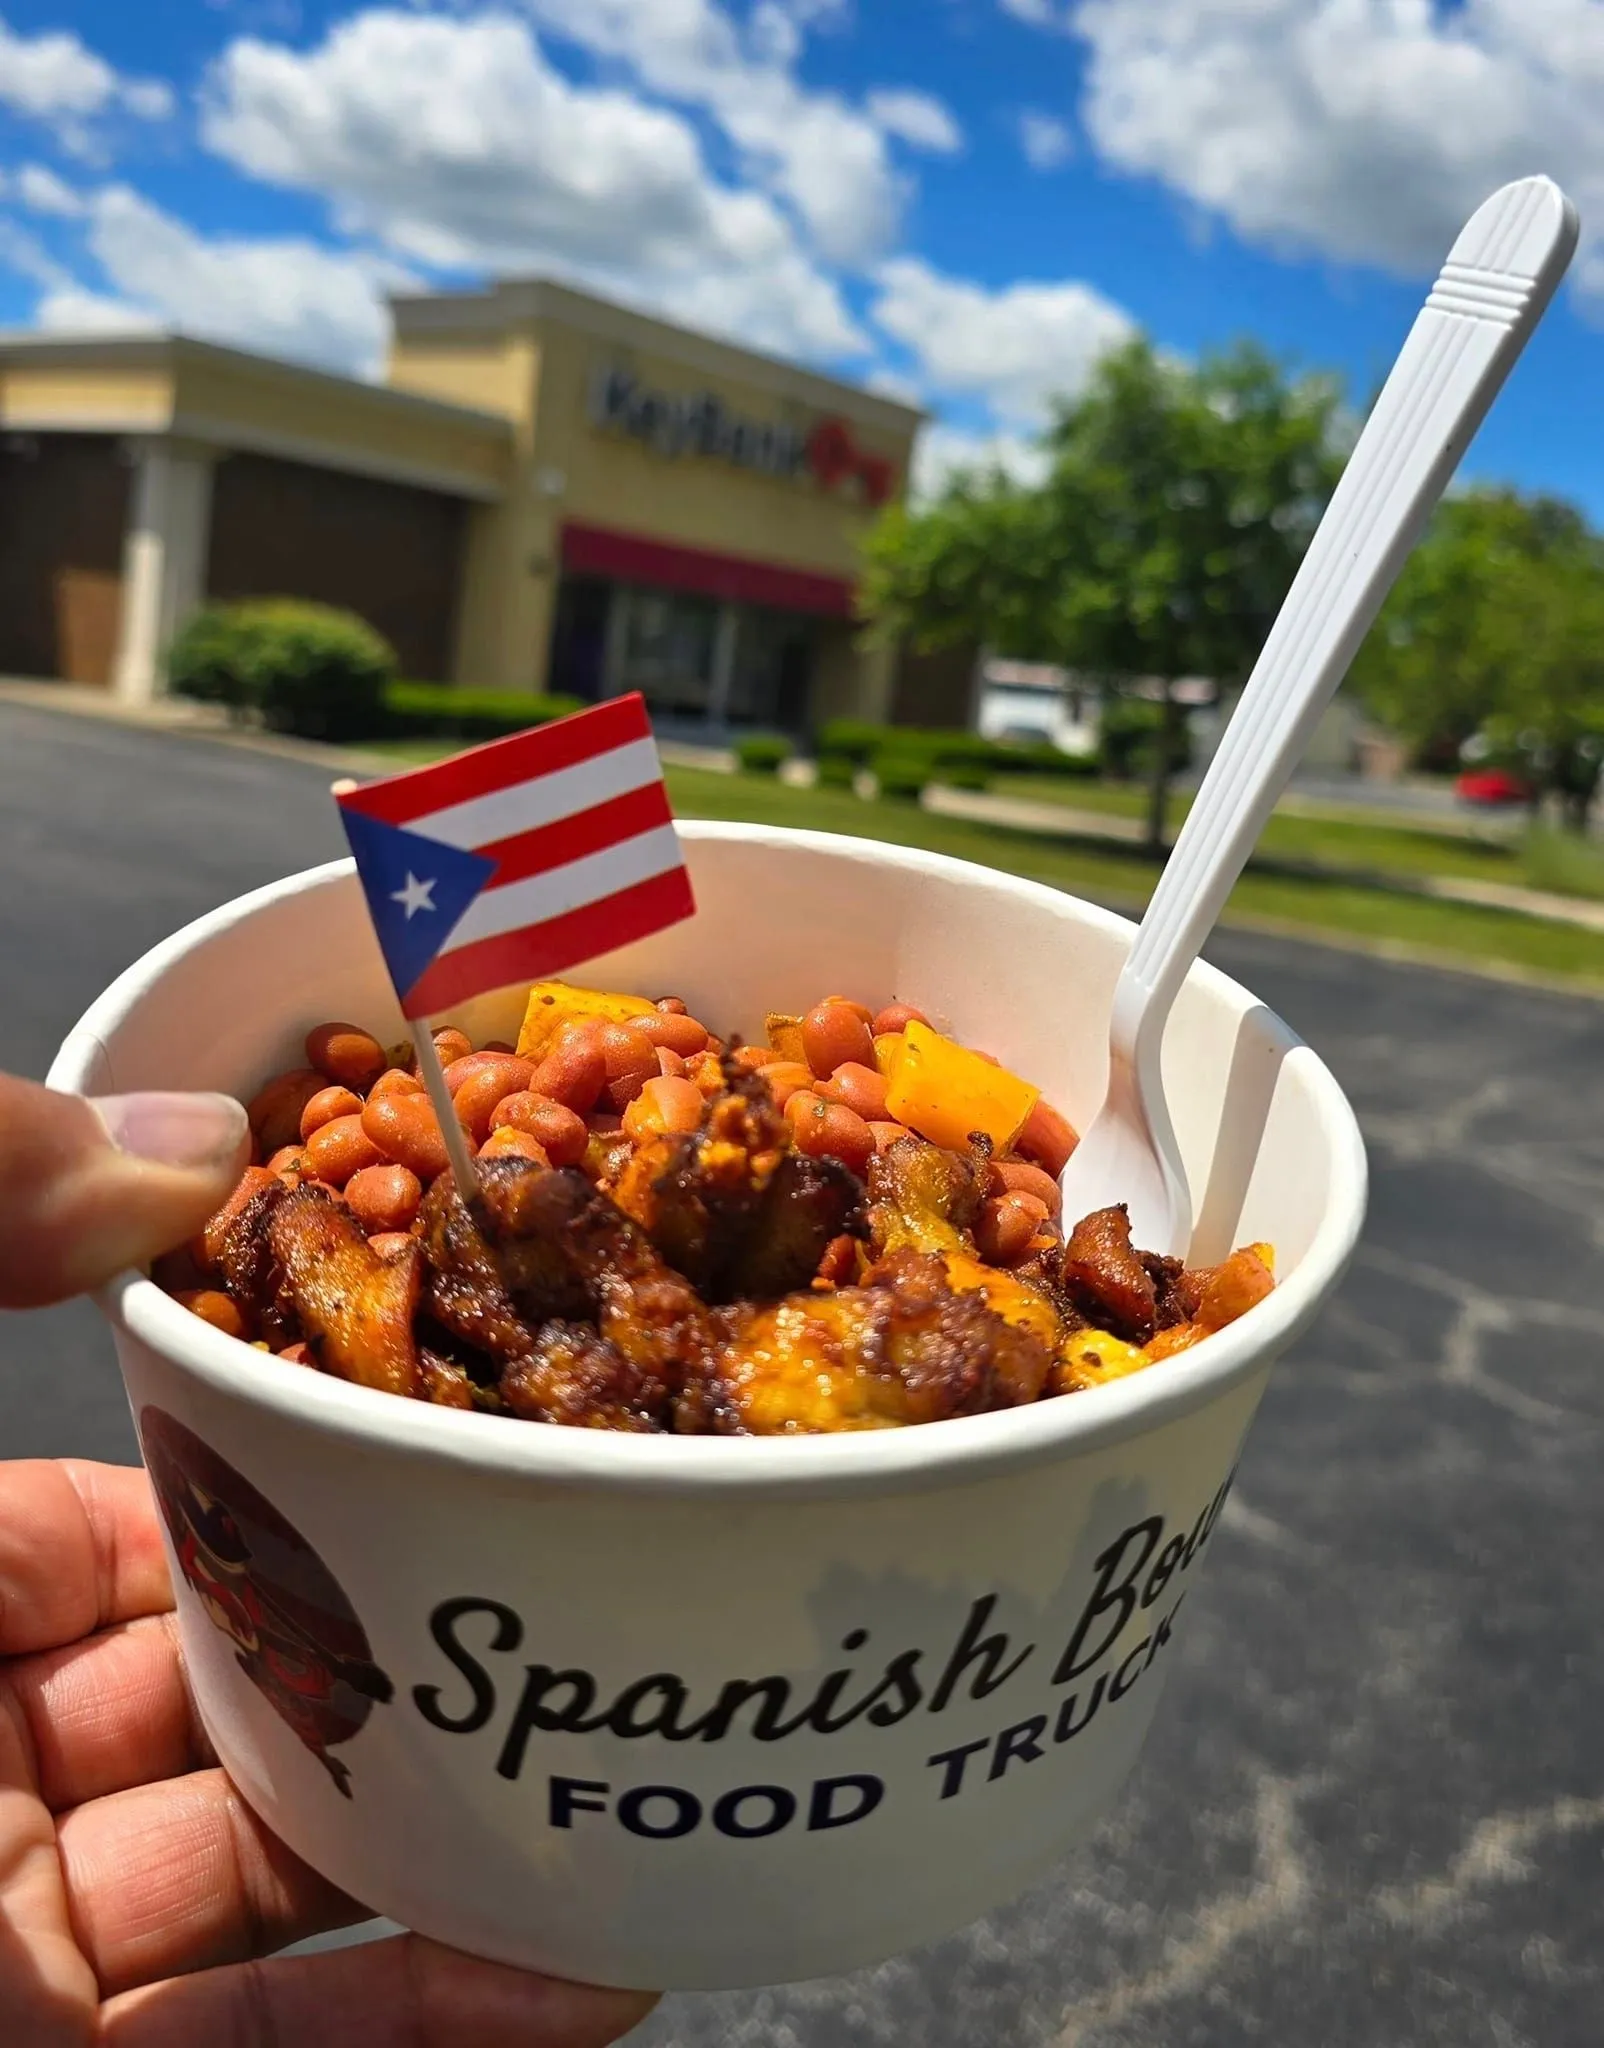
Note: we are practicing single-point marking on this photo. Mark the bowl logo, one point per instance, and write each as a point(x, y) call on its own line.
point(295, 1634)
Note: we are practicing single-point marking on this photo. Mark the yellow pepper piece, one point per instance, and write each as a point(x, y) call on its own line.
point(945, 1092)
point(785, 1037)
point(888, 1050)
point(552, 1004)
point(1091, 1358)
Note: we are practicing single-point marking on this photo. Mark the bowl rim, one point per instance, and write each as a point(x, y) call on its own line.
point(958, 1451)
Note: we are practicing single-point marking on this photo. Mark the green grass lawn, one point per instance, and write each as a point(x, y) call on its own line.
point(1122, 878)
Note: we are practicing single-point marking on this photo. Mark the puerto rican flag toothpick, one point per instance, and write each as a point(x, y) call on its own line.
point(514, 861)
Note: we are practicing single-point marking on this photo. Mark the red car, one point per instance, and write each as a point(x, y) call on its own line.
point(1492, 786)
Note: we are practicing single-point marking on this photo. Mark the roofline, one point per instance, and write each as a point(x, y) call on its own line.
point(167, 350)
point(511, 302)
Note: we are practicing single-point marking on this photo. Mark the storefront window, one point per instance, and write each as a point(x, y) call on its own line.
point(667, 650)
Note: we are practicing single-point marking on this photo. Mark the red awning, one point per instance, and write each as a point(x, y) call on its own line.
point(735, 579)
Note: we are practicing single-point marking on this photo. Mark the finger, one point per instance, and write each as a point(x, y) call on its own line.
point(80, 1550)
point(106, 1714)
point(88, 1189)
point(183, 1876)
point(402, 1993)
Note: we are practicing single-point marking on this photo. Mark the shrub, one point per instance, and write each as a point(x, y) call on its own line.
point(427, 711)
point(965, 778)
point(859, 742)
point(762, 754)
point(302, 668)
point(835, 771)
point(902, 772)
point(1129, 734)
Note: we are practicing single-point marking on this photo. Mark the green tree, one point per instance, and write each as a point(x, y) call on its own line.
point(1496, 630)
point(1176, 503)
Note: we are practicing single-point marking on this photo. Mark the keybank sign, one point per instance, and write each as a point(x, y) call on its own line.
point(699, 423)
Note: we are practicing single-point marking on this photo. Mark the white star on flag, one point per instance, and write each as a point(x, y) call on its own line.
point(415, 895)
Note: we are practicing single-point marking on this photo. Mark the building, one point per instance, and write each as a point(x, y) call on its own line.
point(547, 492)
point(1035, 700)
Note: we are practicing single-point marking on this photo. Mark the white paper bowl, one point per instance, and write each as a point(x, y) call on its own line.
point(1001, 1589)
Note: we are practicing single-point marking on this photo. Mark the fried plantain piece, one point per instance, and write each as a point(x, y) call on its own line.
point(903, 1348)
point(355, 1308)
point(924, 1198)
point(466, 1291)
point(1107, 1279)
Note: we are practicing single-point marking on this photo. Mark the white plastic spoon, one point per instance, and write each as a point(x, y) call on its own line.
point(1488, 298)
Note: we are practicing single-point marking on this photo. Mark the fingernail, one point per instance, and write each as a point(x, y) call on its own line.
point(194, 1131)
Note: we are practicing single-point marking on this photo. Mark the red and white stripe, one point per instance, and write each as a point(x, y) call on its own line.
point(576, 817)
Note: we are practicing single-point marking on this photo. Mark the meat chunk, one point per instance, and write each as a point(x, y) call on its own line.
point(1106, 1278)
point(732, 1207)
point(576, 1376)
point(355, 1308)
point(903, 1348)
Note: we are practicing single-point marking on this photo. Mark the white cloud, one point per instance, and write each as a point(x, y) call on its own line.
point(458, 145)
point(1014, 348)
point(1046, 141)
point(943, 451)
point(41, 191)
point(826, 158)
point(283, 295)
point(917, 119)
point(1367, 130)
point(1038, 13)
point(57, 78)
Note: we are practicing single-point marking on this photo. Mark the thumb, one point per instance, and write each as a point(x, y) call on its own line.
point(90, 1187)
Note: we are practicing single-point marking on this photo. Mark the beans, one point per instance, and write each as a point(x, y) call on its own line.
point(784, 1078)
point(631, 1061)
point(897, 1017)
point(478, 1096)
point(340, 1148)
point(662, 1106)
point(860, 1088)
point(511, 1143)
point(1018, 1176)
point(346, 1054)
point(886, 1135)
point(498, 1045)
point(834, 1034)
point(1005, 1226)
point(574, 1070)
point(452, 1045)
point(829, 1130)
point(384, 1198)
point(751, 1059)
point(396, 1081)
point(475, 1063)
point(671, 1006)
point(670, 1063)
point(215, 1308)
point(289, 1163)
point(406, 1130)
point(275, 1111)
point(559, 1131)
point(605, 1123)
point(678, 1032)
point(860, 1009)
point(326, 1105)
point(1047, 1137)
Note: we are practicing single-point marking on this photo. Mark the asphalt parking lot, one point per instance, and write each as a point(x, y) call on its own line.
point(1371, 1814)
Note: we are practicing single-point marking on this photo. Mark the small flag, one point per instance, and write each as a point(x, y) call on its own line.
point(519, 859)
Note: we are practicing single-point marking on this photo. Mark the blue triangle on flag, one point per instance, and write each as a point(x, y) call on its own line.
point(417, 890)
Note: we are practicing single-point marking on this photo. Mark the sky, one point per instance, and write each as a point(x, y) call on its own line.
point(960, 202)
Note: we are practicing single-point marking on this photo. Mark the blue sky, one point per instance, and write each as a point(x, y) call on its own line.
point(960, 200)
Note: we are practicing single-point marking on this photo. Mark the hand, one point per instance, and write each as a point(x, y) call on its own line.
point(137, 1889)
